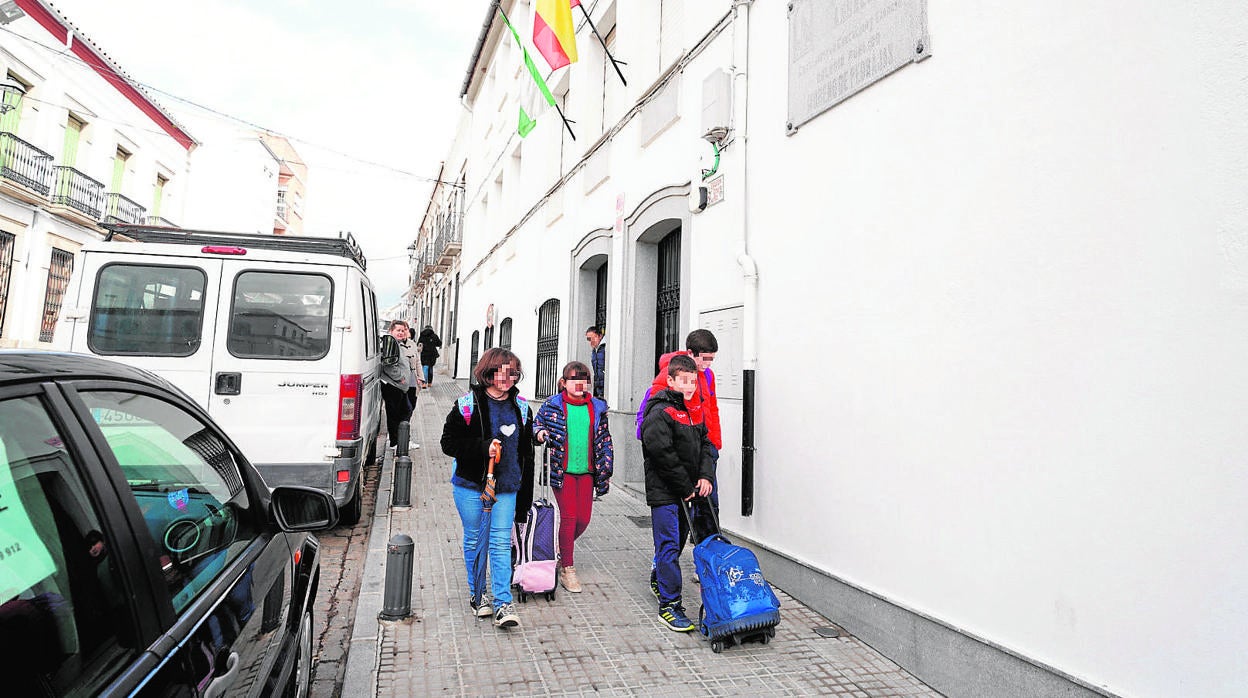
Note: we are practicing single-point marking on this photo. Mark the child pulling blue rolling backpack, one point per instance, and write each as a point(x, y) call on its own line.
point(738, 604)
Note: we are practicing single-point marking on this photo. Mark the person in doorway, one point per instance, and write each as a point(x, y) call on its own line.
point(701, 346)
point(429, 343)
point(574, 425)
point(679, 467)
point(491, 421)
point(396, 382)
point(597, 358)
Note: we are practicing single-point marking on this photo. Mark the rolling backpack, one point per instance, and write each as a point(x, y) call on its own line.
point(738, 604)
point(535, 544)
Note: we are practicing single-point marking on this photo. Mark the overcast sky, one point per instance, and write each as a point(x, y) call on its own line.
point(377, 80)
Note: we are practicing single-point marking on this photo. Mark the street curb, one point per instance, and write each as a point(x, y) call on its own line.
point(361, 673)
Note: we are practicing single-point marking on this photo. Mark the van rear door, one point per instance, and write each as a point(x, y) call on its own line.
point(275, 369)
point(152, 311)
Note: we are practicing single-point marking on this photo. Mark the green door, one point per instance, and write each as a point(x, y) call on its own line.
point(69, 157)
point(119, 170)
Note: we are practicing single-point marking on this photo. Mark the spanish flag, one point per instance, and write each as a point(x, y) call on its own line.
point(554, 35)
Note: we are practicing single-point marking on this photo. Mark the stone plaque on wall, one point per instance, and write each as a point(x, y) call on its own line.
point(839, 47)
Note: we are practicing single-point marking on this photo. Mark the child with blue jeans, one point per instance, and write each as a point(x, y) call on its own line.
point(679, 467)
point(491, 422)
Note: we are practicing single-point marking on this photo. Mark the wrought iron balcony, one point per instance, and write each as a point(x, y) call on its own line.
point(447, 243)
point(119, 209)
point(24, 164)
point(77, 191)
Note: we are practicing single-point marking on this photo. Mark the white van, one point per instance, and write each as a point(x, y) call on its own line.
point(275, 336)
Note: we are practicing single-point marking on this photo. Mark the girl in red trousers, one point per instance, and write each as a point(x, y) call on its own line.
point(582, 458)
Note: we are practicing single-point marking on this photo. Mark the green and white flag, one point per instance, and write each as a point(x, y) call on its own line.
point(536, 97)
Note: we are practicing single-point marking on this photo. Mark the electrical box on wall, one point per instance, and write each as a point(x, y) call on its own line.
point(727, 326)
point(716, 100)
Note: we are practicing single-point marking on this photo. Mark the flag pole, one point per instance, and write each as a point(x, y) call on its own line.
point(614, 63)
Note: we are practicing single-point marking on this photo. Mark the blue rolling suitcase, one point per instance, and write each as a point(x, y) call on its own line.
point(738, 604)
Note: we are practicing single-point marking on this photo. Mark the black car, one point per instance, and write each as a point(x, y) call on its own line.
point(140, 553)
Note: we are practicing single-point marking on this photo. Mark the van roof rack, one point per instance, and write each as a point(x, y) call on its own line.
point(343, 246)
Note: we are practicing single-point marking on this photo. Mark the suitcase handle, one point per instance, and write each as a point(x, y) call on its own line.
point(686, 507)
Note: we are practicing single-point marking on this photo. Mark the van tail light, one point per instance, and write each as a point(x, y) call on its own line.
point(222, 249)
point(349, 407)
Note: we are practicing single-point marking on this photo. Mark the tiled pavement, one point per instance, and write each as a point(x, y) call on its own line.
point(604, 641)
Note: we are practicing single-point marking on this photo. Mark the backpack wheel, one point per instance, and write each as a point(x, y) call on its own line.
point(717, 646)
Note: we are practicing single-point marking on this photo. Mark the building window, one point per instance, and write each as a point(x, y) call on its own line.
point(504, 334)
point(548, 349)
point(59, 271)
point(281, 204)
point(8, 241)
point(472, 358)
point(158, 197)
point(600, 298)
point(489, 337)
point(667, 320)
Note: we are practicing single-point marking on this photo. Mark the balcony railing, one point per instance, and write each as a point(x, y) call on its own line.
point(448, 241)
point(77, 191)
point(119, 209)
point(25, 164)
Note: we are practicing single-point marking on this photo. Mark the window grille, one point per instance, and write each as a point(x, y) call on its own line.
point(667, 320)
point(59, 271)
point(489, 337)
point(504, 334)
point(600, 298)
point(7, 243)
point(472, 358)
point(547, 349)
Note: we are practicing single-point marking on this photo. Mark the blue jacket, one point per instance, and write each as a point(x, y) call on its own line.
point(553, 417)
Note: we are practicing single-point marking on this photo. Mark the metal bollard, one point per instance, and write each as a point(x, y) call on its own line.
point(405, 435)
point(401, 493)
point(397, 602)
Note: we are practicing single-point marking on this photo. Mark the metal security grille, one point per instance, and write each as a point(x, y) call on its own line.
point(504, 334)
point(489, 337)
point(548, 349)
point(59, 271)
point(600, 299)
point(667, 316)
point(7, 243)
point(472, 358)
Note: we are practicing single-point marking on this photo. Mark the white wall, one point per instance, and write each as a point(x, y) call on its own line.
point(1005, 289)
point(233, 178)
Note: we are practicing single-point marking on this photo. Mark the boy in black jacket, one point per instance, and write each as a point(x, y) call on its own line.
point(679, 467)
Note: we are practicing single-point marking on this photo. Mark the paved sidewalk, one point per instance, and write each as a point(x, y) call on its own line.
point(604, 641)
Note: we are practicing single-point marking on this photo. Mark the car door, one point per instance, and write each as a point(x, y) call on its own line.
point(223, 575)
point(152, 311)
point(72, 582)
point(276, 361)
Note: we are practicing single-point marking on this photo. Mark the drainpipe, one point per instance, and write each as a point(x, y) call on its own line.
point(749, 269)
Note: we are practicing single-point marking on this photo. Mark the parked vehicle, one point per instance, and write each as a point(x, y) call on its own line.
point(275, 336)
point(140, 553)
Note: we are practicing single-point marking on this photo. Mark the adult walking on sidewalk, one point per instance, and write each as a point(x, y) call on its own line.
point(397, 380)
point(582, 457)
point(491, 420)
point(429, 343)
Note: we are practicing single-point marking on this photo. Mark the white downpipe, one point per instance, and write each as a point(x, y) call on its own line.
point(740, 118)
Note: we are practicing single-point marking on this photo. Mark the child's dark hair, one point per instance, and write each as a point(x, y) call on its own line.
point(701, 342)
point(681, 363)
point(574, 370)
point(595, 329)
point(492, 360)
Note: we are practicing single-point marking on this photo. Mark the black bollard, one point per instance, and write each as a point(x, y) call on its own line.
point(405, 435)
point(397, 601)
point(401, 493)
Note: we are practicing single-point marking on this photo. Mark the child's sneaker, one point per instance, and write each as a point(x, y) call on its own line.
point(483, 609)
point(569, 580)
point(654, 583)
point(673, 616)
point(505, 617)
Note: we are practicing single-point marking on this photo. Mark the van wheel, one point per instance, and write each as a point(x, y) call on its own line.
point(350, 514)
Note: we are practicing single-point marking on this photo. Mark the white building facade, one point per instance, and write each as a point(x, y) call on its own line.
point(982, 321)
point(80, 145)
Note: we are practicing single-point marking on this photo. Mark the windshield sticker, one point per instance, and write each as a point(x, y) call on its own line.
point(180, 499)
point(24, 560)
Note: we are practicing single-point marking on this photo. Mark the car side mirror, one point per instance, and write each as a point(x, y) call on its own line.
point(389, 350)
point(303, 508)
